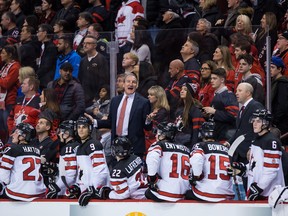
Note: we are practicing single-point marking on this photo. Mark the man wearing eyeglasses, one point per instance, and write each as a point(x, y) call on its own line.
point(282, 52)
point(93, 70)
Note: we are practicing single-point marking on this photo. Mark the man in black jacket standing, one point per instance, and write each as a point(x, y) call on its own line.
point(69, 92)
point(48, 55)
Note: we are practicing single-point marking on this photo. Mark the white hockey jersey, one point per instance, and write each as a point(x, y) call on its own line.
point(20, 170)
point(92, 169)
point(124, 20)
point(67, 165)
point(127, 179)
point(210, 159)
point(265, 166)
point(171, 162)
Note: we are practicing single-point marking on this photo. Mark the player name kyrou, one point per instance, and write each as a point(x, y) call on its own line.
point(31, 149)
point(134, 164)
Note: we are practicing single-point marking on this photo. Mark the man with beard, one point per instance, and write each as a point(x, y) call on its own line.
point(67, 54)
point(69, 93)
point(48, 150)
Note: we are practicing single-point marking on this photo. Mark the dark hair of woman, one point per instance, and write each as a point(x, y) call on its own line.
point(11, 51)
point(107, 96)
point(51, 101)
point(141, 37)
point(189, 102)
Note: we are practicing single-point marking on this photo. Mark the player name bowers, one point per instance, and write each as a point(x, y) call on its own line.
point(213, 147)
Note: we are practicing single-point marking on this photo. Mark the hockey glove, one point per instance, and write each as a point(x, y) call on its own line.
point(73, 192)
point(254, 192)
point(2, 146)
point(237, 168)
point(193, 179)
point(102, 192)
point(49, 169)
point(86, 196)
point(53, 191)
point(152, 182)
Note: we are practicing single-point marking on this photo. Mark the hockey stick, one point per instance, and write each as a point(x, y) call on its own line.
point(235, 145)
point(284, 136)
point(231, 152)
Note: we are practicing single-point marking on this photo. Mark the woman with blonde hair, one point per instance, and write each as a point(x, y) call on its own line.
point(243, 25)
point(24, 72)
point(210, 11)
point(222, 58)
point(129, 61)
point(160, 111)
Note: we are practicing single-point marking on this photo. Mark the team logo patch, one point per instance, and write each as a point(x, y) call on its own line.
point(68, 163)
point(135, 214)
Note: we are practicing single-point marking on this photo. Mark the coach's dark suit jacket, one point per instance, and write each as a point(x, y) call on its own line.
point(139, 110)
point(244, 127)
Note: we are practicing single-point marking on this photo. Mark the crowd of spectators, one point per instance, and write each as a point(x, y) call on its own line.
point(189, 58)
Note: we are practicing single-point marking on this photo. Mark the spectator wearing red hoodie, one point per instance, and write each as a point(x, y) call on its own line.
point(8, 84)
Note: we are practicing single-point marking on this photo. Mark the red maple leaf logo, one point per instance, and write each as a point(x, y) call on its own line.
point(121, 18)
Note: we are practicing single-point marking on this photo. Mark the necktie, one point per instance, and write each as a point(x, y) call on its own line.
point(241, 110)
point(121, 117)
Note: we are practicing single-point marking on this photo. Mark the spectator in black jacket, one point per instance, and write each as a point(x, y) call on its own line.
point(223, 109)
point(168, 43)
point(29, 49)
point(9, 28)
point(93, 70)
point(69, 12)
point(245, 65)
point(48, 55)
point(210, 11)
point(279, 96)
point(69, 92)
point(16, 9)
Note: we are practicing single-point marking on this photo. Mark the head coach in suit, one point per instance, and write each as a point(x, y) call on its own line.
point(127, 115)
point(243, 126)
